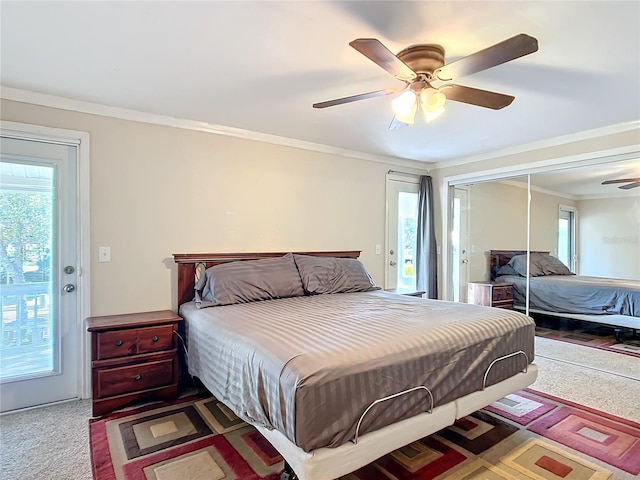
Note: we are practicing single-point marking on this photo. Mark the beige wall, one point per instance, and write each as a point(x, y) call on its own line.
point(609, 232)
point(498, 221)
point(158, 190)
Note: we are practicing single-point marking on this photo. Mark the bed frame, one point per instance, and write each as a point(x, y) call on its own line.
point(498, 258)
point(330, 463)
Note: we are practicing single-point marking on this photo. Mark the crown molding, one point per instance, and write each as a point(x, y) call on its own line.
point(547, 143)
point(63, 103)
point(607, 196)
point(534, 188)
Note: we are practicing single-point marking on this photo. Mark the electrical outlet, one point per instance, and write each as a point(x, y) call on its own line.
point(104, 254)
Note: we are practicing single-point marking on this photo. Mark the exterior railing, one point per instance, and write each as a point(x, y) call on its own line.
point(26, 320)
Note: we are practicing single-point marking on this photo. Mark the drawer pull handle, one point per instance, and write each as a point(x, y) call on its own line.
point(119, 343)
point(137, 377)
point(155, 339)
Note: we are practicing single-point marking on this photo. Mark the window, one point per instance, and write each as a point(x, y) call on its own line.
point(567, 236)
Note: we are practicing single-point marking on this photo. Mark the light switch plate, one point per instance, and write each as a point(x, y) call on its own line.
point(104, 254)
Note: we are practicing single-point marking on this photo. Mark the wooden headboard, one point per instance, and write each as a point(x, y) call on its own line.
point(192, 264)
point(498, 258)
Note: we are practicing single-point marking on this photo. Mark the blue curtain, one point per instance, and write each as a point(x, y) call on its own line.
point(426, 258)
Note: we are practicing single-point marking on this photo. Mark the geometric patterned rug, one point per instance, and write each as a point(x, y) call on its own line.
point(526, 435)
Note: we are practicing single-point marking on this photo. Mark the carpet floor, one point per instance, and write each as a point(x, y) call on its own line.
point(527, 435)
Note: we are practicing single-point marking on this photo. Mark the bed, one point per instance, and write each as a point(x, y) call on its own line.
point(343, 373)
point(555, 291)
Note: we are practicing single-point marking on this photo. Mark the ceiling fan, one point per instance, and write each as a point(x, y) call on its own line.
point(631, 183)
point(420, 65)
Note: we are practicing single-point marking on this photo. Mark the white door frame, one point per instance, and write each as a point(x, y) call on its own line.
point(393, 179)
point(573, 229)
point(463, 272)
point(81, 140)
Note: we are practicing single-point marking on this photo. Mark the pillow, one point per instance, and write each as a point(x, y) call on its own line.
point(333, 275)
point(248, 281)
point(553, 266)
point(519, 264)
point(506, 270)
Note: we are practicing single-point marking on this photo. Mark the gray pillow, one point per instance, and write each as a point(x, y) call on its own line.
point(519, 264)
point(248, 281)
point(506, 270)
point(553, 266)
point(333, 275)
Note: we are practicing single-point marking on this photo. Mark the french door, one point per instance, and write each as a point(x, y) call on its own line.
point(460, 245)
point(402, 223)
point(39, 349)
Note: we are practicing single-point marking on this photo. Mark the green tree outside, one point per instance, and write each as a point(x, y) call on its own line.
point(25, 235)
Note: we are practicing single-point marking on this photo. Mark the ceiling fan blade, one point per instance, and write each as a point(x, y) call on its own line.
point(510, 49)
point(621, 180)
point(355, 98)
point(474, 96)
point(630, 186)
point(375, 51)
point(397, 124)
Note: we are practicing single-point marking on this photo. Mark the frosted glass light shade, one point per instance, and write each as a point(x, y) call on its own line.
point(431, 116)
point(403, 104)
point(432, 100)
point(410, 117)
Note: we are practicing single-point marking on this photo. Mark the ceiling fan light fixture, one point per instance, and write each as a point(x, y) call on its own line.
point(410, 117)
point(432, 100)
point(431, 116)
point(404, 104)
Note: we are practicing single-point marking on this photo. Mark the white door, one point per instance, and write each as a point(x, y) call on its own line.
point(402, 222)
point(460, 245)
point(39, 351)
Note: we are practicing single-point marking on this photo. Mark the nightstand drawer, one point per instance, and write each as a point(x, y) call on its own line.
point(155, 339)
point(490, 294)
point(115, 381)
point(118, 343)
point(134, 356)
point(502, 293)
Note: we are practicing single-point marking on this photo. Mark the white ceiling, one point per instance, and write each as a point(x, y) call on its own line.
point(260, 65)
point(586, 181)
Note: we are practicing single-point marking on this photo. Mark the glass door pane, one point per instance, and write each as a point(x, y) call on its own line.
point(39, 348)
point(26, 218)
point(407, 225)
point(402, 222)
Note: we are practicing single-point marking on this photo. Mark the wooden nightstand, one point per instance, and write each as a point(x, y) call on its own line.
point(133, 356)
point(490, 294)
point(404, 291)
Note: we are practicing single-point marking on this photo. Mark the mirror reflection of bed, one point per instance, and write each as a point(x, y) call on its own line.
point(604, 239)
point(582, 302)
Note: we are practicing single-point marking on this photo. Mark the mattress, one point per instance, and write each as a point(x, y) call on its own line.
point(310, 366)
point(577, 294)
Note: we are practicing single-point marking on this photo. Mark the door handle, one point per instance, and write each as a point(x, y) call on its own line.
point(69, 287)
point(392, 263)
point(465, 261)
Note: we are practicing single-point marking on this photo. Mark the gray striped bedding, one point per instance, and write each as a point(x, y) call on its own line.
point(309, 366)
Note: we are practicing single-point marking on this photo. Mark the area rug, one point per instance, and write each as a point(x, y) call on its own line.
point(526, 435)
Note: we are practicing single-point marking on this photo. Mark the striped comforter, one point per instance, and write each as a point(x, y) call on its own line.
point(310, 366)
